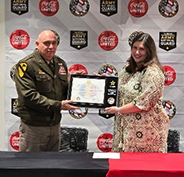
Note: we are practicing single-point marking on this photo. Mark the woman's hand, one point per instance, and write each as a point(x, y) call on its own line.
point(112, 109)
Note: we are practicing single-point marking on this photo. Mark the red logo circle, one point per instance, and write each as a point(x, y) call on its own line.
point(19, 39)
point(138, 8)
point(14, 140)
point(170, 75)
point(77, 67)
point(108, 40)
point(104, 142)
point(49, 7)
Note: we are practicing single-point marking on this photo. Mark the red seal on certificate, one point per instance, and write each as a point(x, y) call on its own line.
point(108, 40)
point(19, 39)
point(49, 7)
point(14, 140)
point(104, 142)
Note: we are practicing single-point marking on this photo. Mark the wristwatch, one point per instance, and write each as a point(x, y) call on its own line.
point(118, 111)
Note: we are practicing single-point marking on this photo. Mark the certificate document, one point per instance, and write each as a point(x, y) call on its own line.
point(93, 91)
point(88, 90)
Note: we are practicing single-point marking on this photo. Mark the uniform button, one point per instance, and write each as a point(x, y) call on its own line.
point(55, 76)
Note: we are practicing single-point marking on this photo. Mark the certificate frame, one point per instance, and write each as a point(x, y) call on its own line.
point(93, 91)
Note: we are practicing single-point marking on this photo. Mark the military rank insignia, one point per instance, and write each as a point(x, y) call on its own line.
point(168, 8)
point(22, 69)
point(19, 7)
point(79, 8)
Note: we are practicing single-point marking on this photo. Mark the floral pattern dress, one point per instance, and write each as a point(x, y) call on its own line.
point(144, 131)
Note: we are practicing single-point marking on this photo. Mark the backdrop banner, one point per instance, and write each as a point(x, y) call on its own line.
point(93, 35)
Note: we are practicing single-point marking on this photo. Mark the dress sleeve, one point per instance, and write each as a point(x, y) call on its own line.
point(152, 86)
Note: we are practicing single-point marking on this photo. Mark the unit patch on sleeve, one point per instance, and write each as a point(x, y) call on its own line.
point(22, 69)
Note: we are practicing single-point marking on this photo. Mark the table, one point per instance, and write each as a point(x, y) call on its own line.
point(51, 164)
point(147, 165)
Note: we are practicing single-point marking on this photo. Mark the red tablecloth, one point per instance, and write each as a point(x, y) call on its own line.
point(147, 165)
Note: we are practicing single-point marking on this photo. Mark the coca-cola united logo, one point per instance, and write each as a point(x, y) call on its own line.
point(19, 39)
point(108, 40)
point(14, 140)
point(104, 142)
point(170, 75)
point(138, 8)
point(77, 67)
point(49, 7)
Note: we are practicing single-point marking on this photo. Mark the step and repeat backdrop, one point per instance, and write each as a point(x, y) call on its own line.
point(93, 35)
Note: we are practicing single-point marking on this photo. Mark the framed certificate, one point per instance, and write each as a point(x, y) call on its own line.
point(93, 91)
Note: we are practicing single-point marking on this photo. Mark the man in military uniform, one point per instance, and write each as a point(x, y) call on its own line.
point(42, 91)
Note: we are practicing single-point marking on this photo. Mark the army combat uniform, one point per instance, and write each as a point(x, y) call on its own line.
point(40, 91)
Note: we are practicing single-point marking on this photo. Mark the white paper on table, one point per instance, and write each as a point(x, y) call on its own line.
point(107, 155)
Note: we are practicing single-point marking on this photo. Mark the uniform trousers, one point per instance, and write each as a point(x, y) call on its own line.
point(37, 138)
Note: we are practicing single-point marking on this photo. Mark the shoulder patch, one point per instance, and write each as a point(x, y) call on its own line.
point(22, 69)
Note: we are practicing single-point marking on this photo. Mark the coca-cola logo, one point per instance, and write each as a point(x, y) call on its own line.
point(170, 75)
point(108, 40)
point(138, 8)
point(19, 39)
point(77, 67)
point(49, 7)
point(104, 142)
point(14, 140)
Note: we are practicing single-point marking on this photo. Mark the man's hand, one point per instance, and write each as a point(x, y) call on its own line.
point(65, 105)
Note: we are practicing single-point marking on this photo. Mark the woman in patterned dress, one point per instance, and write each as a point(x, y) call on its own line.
point(141, 125)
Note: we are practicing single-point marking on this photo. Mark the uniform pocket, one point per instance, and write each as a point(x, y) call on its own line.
point(43, 83)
